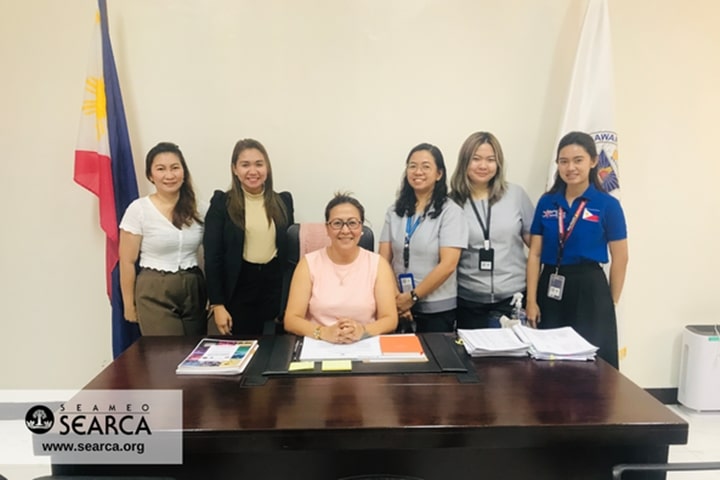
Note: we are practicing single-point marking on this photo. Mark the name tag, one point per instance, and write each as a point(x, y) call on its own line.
point(487, 259)
point(406, 282)
point(556, 286)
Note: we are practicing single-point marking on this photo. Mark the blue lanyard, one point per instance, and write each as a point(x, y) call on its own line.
point(411, 227)
point(409, 230)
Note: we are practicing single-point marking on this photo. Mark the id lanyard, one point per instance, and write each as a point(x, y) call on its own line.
point(486, 243)
point(562, 234)
point(410, 228)
point(485, 228)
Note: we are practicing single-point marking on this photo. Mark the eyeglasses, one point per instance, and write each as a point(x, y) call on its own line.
point(352, 224)
point(425, 167)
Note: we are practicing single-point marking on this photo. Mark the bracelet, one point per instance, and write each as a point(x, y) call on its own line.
point(316, 333)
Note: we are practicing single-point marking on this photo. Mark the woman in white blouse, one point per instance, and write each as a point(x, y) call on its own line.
point(164, 229)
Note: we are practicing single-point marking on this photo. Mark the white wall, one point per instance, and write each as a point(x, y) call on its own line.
point(339, 91)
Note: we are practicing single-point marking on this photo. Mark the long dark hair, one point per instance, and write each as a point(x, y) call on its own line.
point(588, 144)
point(405, 203)
point(185, 211)
point(274, 206)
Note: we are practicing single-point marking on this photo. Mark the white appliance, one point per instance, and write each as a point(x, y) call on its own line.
point(699, 382)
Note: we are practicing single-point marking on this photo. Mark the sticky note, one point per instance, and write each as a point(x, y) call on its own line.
point(300, 366)
point(337, 365)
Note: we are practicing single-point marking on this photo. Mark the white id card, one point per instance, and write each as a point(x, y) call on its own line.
point(556, 286)
point(406, 282)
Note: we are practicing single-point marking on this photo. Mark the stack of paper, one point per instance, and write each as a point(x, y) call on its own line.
point(218, 357)
point(493, 342)
point(556, 343)
point(381, 348)
point(313, 350)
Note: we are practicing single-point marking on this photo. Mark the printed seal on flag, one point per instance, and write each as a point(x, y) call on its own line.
point(606, 143)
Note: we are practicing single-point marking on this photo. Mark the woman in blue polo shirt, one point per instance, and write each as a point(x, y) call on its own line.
point(575, 223)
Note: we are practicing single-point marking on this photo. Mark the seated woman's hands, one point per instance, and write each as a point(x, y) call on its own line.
point(346, 330)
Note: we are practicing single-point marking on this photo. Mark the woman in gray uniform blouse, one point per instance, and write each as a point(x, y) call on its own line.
point(498, 215)
point(422, 238)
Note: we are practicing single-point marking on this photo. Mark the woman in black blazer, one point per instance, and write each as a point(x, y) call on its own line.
point(245, 244)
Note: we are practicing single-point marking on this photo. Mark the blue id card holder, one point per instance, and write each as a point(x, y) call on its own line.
point(406, 282)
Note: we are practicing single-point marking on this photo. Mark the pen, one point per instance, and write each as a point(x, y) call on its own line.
point(296, 350)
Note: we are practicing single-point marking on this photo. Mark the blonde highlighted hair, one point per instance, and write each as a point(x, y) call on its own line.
point(460, 183)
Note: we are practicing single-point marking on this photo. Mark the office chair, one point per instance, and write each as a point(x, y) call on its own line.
point(618, 470)
point(304, 238)
point(307, 237)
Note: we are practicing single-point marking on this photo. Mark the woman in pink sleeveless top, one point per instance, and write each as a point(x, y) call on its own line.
point(342, 293)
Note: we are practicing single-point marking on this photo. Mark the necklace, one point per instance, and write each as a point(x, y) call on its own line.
point(341, 277)
point(343, 269)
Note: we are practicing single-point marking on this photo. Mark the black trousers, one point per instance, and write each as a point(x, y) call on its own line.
point(471, 315)
point(429, 322)
point(586, 306)
point(256, 299)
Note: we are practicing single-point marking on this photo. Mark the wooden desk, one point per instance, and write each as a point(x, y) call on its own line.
point(523, 419)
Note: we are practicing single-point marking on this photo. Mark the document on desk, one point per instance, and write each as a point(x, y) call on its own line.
point(556, 343)
point(493, 342)
point(318, 350)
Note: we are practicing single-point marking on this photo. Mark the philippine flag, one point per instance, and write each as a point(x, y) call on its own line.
point(104, 163)
point(590, 216)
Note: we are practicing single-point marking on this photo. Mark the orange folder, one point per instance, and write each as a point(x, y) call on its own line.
point(403, 344)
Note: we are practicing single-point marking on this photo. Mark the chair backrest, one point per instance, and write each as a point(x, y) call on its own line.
point(303, 238)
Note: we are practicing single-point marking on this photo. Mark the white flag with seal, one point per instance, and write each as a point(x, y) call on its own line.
point(590, 103)
point(590, 107)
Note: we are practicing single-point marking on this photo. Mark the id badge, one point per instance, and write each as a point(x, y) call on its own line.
point(487, 259)
point(406, 281)
point(556, 286)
